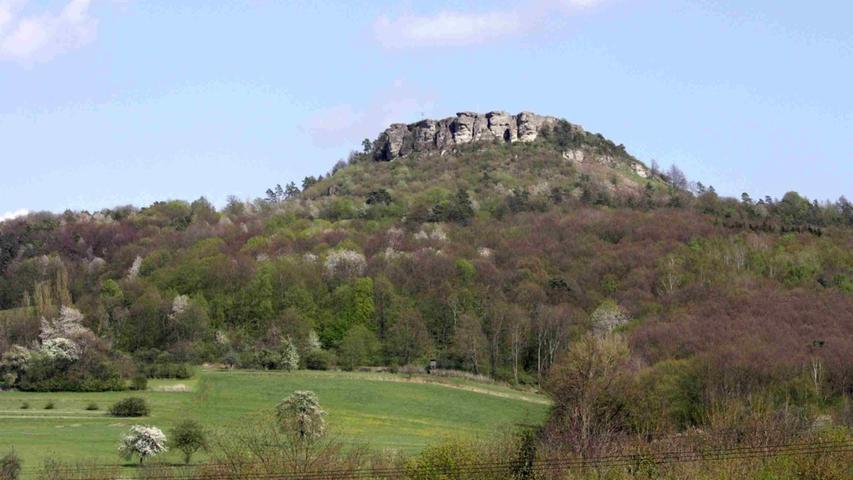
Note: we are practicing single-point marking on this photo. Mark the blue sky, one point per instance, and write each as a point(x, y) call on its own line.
point(111, 102)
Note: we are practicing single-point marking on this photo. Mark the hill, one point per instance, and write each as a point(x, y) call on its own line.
point(501, 245)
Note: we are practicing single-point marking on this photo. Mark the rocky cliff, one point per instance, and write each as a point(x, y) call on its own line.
point(401, 139)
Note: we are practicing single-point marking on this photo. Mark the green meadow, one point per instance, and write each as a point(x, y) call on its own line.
point(382, 411)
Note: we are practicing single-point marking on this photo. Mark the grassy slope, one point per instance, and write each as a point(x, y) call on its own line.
point(383, 410)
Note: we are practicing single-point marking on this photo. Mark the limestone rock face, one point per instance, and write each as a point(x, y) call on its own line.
point(463, 127)
point(424, 135)
point(530, 124)
point(390, 143)
point(466, 127)
point(502, 126)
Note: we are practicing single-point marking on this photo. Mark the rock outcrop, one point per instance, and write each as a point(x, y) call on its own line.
point(466, 127)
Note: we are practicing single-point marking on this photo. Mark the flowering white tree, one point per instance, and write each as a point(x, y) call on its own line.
point(13, 363)
point(69, 324)
point(144, 441)
point(289, 355)
point(314, 341)
point(179, 305)
point(300, 415)
point(61, 349)
point(345, 263)
point(607, 317)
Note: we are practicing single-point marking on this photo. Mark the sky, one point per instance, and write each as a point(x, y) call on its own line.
point(115, 102)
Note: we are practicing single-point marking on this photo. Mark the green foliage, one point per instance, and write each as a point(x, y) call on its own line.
point(189, 437)
point(359, 347)
point(458, 208)
point(284, 357)
point(355, 306)
point(319, 360)
point(91, 374)
point(668, 396)
point(130, 407)
point(451, 459)
point(139, 383)
point(165, 369)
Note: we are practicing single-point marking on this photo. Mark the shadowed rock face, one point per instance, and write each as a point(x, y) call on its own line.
point(466, 127)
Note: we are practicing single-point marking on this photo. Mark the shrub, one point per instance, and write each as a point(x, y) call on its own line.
point(447, 460)
point(49, 405)
point(139, 383)
point(25, 406)
point(167, 370)
point(319, 360)
point(92, 406)
point(189, 437)
point(10, 466)
point(130, 407)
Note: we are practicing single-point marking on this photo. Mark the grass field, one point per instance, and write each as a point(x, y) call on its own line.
point(381, 410)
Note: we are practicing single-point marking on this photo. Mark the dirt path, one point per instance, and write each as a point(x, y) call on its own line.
point(467, 388)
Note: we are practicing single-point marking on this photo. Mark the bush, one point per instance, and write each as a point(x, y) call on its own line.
point(10, 466)
point(319, 360)
point(139, 383)
point(92, 406)
point(49, 405)
point(25, 406)
point(130, 407)
point(167, 370)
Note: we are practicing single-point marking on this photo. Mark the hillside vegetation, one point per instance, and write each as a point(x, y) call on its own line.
point(529, 263)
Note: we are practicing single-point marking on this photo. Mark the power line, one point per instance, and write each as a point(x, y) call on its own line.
point(541, 465)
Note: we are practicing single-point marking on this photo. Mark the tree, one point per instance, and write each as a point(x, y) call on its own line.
point(307, 182)
point(289, 355)
point(408, 337)
point(144, 441)
point(607, 317)
point(376, 197)
point(585, 384)
point(69, 324)
point(677, 177)
point(460, 209)
point(358, 347)
point(300, 415)
point(189, 437)
point(366, 145)
point(470, 344)
point(291, 190)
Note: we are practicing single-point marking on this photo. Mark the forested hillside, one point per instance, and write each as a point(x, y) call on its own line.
point(506, 260)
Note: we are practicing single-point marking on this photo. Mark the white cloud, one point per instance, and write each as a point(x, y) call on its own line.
point(456, 28)
point(38, 37)
point(13, 215)
point(347, 124)
point(445, 28)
